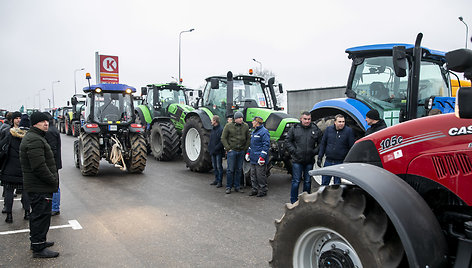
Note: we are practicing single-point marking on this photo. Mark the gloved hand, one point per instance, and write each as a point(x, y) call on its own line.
point(261, 161)
point(318, 162)
point(247, 157)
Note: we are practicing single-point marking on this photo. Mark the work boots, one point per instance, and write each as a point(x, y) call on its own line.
point(9, 218)
point(45, 253)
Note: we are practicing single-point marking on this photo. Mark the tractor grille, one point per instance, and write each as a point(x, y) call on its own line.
point(451, 164)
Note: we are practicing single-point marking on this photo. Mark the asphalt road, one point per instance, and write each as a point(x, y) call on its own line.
point(166, 217)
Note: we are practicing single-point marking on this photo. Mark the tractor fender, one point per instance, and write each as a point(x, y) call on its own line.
point(161, 119)
point(144, 115)
point(415, 223)
point(356, 109)
point(204, 117)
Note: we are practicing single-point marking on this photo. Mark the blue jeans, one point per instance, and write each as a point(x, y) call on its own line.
point(325, 180)
point(299, 170)
point(217, 163)
point(56, 200)
point(235, 168)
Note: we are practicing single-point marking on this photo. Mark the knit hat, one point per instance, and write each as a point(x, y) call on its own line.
point(258, 119)
point(238, 115)
point(373, 114)
point(37, 117)
point(15, 115)
point(25, 121)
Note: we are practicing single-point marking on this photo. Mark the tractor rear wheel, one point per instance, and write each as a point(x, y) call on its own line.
point(137, 162)
point(89, 152)
point(195, 139)
point(76, 154)
point(337, 226)
point(75, 129)
point(324, 122)
point(164, 141)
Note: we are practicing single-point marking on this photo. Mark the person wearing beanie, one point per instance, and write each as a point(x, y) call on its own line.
point(25, 122)
point(373, 120)
point(40, 181)
point(54, 140)
point(235, 139)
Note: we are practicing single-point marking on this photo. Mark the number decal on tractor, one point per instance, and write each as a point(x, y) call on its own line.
point(390, 142)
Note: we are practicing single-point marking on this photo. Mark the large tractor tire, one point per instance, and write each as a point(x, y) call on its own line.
point(338, 226)
point(164, 141)
point(75, 129)
point(195, 139)
point(76, 154)
point(137, 161)
point(68, 127)
point(324, 122)
point(89, 154)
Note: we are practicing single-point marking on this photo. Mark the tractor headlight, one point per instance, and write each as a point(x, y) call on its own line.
point(98, 90)
point(128, 91)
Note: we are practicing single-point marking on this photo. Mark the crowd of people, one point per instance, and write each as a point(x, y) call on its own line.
point(30, 156)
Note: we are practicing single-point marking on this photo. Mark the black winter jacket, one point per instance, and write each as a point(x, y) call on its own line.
point(11, 168)
point(303, 143)
point(54, 140)
point(38, 163)
point(376, 127)
point(215, 146)
point(336, 143)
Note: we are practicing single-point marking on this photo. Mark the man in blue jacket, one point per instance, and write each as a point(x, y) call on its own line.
point(257, 154)
point(216, 149)
point(336, 142)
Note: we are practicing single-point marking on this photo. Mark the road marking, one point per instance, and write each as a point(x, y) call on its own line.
point(74, 224)
point(16, 199)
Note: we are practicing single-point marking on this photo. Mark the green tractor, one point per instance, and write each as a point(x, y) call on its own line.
point(162, 111)
point(224, 96)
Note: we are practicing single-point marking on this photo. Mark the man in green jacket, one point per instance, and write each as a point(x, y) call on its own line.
point(40, 181)
point(236, 140)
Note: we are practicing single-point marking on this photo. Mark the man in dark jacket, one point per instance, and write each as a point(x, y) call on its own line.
point(40, 182)
point(235, 139)
point(302, 143)
point(373, 120)
point(54, 140)
point(336, 142)
point(216, 149)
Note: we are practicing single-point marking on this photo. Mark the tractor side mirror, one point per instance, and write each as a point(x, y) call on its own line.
point(73, 100)
point(214, 83)
point(399, 60)
point(464, 98)
point(200, 93)
point(143, 91)
point(68, 103)
point(281, 90)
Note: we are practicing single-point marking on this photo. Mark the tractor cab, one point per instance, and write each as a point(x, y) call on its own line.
point(161, 97)
point(109, 104)
point(374, 80)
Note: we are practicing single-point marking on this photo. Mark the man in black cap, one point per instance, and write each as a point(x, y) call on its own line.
point(373, 120)
point(40, 181)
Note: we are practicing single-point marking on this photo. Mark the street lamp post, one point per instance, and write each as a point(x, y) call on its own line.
point(75, 83)
point(259, 64)
point(52, 89)
point(180, 41)
point(466, 30)
point(39, 98)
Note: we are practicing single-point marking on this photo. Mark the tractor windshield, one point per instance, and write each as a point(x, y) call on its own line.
point(169, 96)
point(244, 92)
point(375, 83)
point(112, 107)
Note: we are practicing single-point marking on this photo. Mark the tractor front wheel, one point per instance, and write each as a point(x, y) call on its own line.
point(164, 141)
point(337, 226)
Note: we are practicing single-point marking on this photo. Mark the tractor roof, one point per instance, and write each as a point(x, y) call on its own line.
point(382, 49)
point(172, 86)
point(110, 88)
point(239, 77)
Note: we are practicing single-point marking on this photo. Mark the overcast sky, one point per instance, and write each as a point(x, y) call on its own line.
point(302, 42)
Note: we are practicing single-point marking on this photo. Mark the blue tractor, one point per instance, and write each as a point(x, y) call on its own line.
point(109, 130)
point(401, 81)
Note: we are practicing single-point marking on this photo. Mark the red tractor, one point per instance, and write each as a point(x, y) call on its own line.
point(408, 203)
